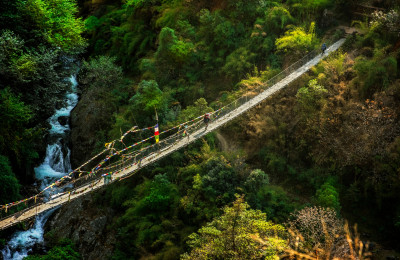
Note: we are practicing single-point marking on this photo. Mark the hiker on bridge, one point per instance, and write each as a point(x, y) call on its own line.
point(106, 178)
point(207, 118)
point(185, 132)
point(323, 48)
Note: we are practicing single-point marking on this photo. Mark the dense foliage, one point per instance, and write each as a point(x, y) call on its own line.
point(187, 47)
point(62, 250)
point(231, 236)
point(35, 36)
point(337, 134)
point(331, 139)
point(159, 214)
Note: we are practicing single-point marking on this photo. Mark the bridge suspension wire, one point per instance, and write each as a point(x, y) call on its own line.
point(131, 162)
point(7, 206)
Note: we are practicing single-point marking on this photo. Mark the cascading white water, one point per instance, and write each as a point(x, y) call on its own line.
point(22, 242)
point(56, 164)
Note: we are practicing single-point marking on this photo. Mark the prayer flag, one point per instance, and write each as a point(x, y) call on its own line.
point(156, 133)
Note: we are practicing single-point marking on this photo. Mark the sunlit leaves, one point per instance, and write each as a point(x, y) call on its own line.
point(172, 55)
point(199, 108)
point(149, 97)
point(236, 235)
point(277, 18)
point(297, 41)
point(172, 48)
point(25, 65)
point(58, 23)
point(309, 98)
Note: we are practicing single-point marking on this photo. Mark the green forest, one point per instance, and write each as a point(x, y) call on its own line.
point(311, 173)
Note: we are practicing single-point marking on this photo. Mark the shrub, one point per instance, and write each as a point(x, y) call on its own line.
point(328, 197)
point(297, 42)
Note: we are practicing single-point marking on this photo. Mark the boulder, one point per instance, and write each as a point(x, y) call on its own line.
point(86, 225)
point(63, 120)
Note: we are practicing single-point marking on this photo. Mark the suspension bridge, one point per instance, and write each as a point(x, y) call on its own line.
point(107, 170)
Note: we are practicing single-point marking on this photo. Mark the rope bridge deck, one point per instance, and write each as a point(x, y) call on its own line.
point(196, 130)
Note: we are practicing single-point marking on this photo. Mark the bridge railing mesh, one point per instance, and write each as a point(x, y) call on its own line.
point(152, 152)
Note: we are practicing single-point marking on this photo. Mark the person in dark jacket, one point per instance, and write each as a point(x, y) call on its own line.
point(207, 118)
point(323, 48)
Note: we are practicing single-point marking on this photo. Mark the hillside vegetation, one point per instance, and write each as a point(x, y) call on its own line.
point(300, 169)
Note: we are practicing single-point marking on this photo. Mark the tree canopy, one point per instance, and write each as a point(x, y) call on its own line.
point(57, 22)
point(234, 236)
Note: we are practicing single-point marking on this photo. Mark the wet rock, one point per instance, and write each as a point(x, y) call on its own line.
point(86, 225)
point(89, 119)
point(59, 104)
point(38, 249)
point(63, 120)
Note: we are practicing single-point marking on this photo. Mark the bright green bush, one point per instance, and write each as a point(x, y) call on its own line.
point(172, 53)
point(310, 98)
point(232, 236)
point(276, 19)
point(57, 22)
point(170, 48)
point(199, 108)
point(297, 41)
point(328, 197)
point(147, 100)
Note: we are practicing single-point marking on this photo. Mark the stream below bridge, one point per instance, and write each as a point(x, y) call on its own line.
point(55, 165)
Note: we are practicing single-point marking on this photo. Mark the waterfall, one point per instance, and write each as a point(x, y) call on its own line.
point(57, 162)
point(55, 165)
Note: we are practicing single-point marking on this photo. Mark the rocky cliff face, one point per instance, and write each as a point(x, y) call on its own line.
point(86, 225)
point(90, 120)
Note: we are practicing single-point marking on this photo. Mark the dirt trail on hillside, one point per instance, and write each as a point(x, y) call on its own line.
point(222, 143)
